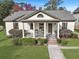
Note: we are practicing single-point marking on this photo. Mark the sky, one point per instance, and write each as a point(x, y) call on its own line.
point(70, 5)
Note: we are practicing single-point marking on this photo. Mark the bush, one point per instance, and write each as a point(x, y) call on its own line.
point(59, 41)
point(16, 33)
point(28, 41)
point(1, 28)
point(74, 35)
point(42, 41)
point(17, 41)
point(65, 33)
point(62, 42)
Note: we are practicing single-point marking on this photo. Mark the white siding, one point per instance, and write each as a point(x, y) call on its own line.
point(70, 26)
point(20, 25)
point(9, 26)
point(26, 26)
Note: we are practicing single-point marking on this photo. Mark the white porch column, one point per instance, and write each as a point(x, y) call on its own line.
point(44, 29)
point(23, 30)
point(58, 30)
point(33, 30)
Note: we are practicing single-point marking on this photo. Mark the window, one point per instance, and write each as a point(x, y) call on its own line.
point(40, 16)
point(31, 25)
point(15, 25)
point(64, 25)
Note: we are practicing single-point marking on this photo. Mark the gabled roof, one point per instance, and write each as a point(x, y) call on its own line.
point(58, 14)
point(76, 11)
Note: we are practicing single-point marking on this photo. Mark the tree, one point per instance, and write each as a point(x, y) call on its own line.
point(52, 4)
point(16, 35)
point(62, 8)
point(5, 7)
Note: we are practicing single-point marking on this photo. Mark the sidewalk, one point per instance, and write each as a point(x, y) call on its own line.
point(54, 50)
point(66, 47)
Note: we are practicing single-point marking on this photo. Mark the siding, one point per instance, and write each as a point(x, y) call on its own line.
point(9, 26)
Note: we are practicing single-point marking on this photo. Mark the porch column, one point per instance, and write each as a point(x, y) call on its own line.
point(44, 29)
point(58, 30)
point(23, 30)
point(33, 30)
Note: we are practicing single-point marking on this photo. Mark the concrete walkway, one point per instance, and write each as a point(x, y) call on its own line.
point(66, 47)
point(54, 50)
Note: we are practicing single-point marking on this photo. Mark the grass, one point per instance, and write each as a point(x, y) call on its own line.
point(71, 53)
point(9, 51)
point(72, 42)
point(77, 30)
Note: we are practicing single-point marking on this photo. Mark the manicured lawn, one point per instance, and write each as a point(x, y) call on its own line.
point(71, 53)
point(77, 30)
point(9, 51)
point(71, 42)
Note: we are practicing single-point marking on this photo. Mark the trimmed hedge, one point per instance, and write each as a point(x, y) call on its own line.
point(63, 42)
point(28, 41)
point(74, 35)
point(33, 41)
point(42, 41)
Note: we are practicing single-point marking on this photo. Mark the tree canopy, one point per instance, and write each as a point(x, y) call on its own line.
point(5, 7)
point(52, 4)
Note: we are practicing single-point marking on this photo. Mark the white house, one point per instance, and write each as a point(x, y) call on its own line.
point(40, 23)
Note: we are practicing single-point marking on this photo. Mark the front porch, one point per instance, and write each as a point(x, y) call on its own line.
point(40, 29)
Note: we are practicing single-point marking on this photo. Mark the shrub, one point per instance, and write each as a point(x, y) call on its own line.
point(74, 35)
point(28, 41)
point(62, 42)
point(65, 33)
point(16, 32)
point(17, 42)
point(42, 41)
point(59, 41)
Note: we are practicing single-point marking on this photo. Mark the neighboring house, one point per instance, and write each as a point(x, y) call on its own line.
point(76, 15)
point(40, 23)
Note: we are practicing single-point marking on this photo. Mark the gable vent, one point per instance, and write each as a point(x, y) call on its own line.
point(40, 16)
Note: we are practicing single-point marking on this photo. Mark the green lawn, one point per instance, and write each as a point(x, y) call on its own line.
point(73, 42)
point(70, 42)
point(77, 30)
point(9, 51)
point(71, 53)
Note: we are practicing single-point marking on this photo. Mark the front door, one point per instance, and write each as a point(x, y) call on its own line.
point(50, 28)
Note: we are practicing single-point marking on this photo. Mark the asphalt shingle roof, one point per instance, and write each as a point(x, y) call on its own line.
point(21, 15)
point(76, 11)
